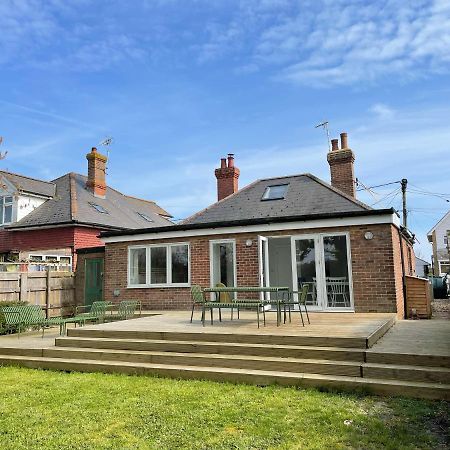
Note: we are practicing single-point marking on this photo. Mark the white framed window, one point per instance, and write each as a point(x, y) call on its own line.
point(222, 258)
point(159, 265)
point(6, 209)
point(56, 262)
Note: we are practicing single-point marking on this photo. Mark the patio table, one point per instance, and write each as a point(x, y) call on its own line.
point(283, 290)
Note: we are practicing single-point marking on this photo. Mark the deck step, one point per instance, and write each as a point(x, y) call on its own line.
point(406, 373)
point(211, 360)
point(408, 359)
point(227, 348)
point(259, 377)
point(247, 338)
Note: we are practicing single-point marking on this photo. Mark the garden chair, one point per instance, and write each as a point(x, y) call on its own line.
point(96, 313)
point(126, 310)
point(302, 295)
point(198, 298)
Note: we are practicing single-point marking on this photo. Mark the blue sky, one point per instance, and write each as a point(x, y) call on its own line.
point(179, 84)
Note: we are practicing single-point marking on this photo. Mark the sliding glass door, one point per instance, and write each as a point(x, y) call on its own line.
point(322, 261)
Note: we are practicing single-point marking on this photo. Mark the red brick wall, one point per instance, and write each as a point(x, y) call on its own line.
point(49, 239)
point(376, 286)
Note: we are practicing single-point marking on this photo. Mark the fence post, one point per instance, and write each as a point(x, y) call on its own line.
point(23, 285)
point(47, 292)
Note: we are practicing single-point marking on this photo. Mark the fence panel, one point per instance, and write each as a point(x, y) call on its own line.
point(54, 291)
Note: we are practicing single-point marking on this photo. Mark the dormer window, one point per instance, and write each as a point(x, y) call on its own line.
point(99, 208)
point(145, 217)
point(6, 208)
point(276, 192)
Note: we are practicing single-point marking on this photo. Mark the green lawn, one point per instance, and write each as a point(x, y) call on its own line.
point(53, 410)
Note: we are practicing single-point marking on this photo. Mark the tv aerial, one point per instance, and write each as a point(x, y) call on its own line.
point(2, 155)
point(324, 125)
point(106, 143)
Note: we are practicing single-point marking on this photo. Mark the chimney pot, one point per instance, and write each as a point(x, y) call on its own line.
point(227, 177)
point(94, 149)
point(341, 161)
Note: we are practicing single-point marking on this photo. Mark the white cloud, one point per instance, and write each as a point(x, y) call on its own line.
point(327, 43)
point(382, 111)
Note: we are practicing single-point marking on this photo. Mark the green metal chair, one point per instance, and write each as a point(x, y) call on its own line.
point(198, 298)
point(22, 317)
point(126, 310)
point(301, 300)
point(96, 313)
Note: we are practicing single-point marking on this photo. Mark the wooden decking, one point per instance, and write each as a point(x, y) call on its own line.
point(341, 351)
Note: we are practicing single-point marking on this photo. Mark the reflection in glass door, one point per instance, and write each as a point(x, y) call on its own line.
point(305, 268)
point(223, 263)
point(322, 262)
point(336, 271)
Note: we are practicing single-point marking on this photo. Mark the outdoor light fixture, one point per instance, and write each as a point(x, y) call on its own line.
point(248, 242)
point(368, 235)
point(116, 292)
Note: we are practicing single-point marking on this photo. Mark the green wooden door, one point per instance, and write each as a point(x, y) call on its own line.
point(93, 284)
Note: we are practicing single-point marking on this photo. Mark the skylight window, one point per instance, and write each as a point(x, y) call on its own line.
point(276, 192)
point(145, 217)
point(99, 208)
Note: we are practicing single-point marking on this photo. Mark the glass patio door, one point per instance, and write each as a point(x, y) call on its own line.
point(263, 250)
point(322, 261)
point(305, 267)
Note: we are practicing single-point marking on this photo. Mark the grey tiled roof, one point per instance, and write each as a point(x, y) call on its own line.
point(72, 204)
point(29, 185)
point(306, 195)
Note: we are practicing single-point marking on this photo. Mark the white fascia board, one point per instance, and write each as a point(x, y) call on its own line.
point(262, 228)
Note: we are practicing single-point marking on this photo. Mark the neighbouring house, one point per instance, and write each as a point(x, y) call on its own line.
point(281, 231)
point(44, 223)
point(422, 267)
point(438, 237)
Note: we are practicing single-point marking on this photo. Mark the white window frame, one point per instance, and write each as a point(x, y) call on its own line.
point(211, 259)
point(147, 283)
point(4, 205)
point(443, 262)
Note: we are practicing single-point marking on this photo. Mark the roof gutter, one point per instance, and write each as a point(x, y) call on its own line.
point(61, 225)
point(255, 225)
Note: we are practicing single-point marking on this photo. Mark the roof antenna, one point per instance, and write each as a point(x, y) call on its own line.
point(324, 125)
point(107, 142)
point(2, 155)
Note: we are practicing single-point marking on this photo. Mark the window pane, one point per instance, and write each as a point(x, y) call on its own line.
point(8, 199)
point(158, 264)
point(180, 264)
point(336, 271)
point(275, 192)
point(305, 256)
point(137, 266)
point(8, 214)
point(223, 263)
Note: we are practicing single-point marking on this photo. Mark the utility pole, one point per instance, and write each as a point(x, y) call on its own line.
point(404, 183)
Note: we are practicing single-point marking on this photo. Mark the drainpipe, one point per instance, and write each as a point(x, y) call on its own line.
point(405, 313)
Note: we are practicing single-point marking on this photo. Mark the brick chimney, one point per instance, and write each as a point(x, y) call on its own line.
point(227, 177)
point(341, 166)
point(96, 181)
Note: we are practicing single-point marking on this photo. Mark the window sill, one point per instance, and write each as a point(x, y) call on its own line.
point(158, 286)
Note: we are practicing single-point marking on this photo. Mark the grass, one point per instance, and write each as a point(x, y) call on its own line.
point(54, 410)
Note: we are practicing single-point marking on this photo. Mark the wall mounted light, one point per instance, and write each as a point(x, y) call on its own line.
point(368, 235)
point(248, 242)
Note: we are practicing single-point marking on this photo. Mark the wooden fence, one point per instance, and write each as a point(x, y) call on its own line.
point(54, 291)
point(418, 297)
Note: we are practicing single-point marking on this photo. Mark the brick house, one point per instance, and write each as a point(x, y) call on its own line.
point(438, 237)
point(48, 222)
point(283, 231)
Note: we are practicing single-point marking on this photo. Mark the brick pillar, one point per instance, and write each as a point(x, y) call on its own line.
point(341, 161)
point(227, 177)
point(96, 181)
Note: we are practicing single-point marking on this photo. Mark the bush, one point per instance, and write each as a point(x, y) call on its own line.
point(2, 317)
